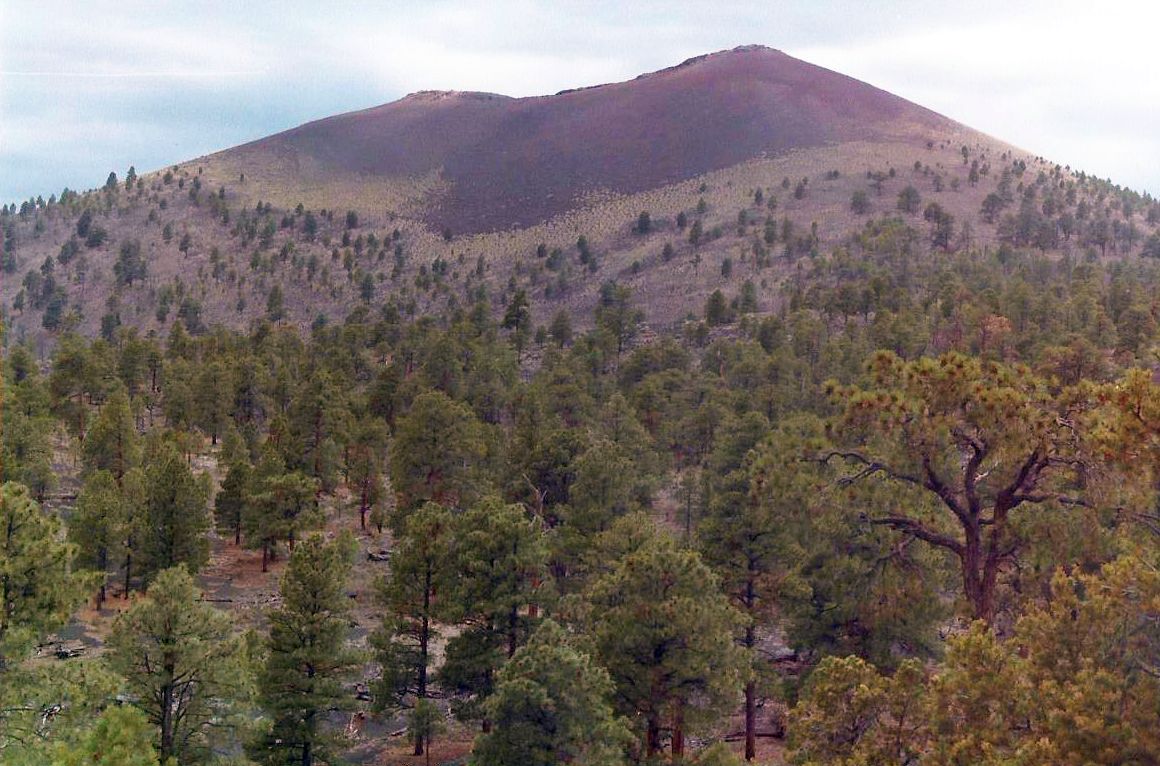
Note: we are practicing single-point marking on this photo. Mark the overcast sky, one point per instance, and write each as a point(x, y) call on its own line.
point(90, 87)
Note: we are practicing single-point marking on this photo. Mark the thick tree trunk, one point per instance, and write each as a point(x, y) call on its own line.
point(750, 687)
point(679, 731)
point(167, 734)
point(750, 721)
point(652, 739)
point(424, 641)
point(102, 592)
point(980, 571)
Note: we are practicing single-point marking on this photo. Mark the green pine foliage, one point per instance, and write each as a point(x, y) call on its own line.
point(174, 516)
point(552, 704)
point(183, 666)
point(307, 659)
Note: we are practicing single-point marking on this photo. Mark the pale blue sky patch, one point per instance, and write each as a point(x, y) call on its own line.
point(93, 87)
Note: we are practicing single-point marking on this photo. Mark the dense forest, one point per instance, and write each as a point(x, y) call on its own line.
point(910, 517)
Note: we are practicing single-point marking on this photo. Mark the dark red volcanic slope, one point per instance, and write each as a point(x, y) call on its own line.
point(514, 162)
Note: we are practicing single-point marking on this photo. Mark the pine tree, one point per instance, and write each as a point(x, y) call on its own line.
point(231, 501)
point(121, 736)
point(666, 635)
point(518, 318)
point(112, 443)
point(434, 453)
point(552, 704)
point(420, 568)
point(213, 398)
point(366, 456)
point(181, 661)
point(98, 526)
point(280, 506)
point(172, 525)
point(318, 420)
point(738, 538)
point(986, 446)
point(307, 656)
point(499, 559)
point(38, 589)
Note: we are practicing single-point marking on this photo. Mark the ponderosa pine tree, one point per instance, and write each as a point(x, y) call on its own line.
point(318, 420)
point(112, 442)
point(665, 633)
point(518, 318)
point(844, 586)
point(98, 526)
point(281, 505)
point(435, 451)
point(38, 587)
point(499, 562)
point(739, 539)
point(73, 378)
point(120, 736)
point(182, 662)
point(421, 568)
point(552, 704)
point(1059, 691)
point(366, 456)
point(232, 499)
point(213, 398)
point(971, 447)
point(172, 524)
point(307, 658)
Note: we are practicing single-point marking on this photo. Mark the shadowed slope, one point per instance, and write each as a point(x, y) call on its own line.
point(505, 162)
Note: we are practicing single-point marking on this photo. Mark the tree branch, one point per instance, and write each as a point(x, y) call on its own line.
point(919, 530)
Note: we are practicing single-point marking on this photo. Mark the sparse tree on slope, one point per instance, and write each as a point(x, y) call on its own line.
point(98, 526)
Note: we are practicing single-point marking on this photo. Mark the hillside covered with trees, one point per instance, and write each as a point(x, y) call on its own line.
point(848, 456)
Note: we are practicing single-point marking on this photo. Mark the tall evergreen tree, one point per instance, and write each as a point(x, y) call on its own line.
point(232, 499)
point(182, 663)
point(366, 456)
point(666, 635)
point(739, 540)
point(307, 657)
point(552, 704)
point(172, 525)
point(499, 558)
point(280, 506)
point(436, 448)
point(38, 587)
point(112, 442)
point(98, 526)
point(420, 569)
